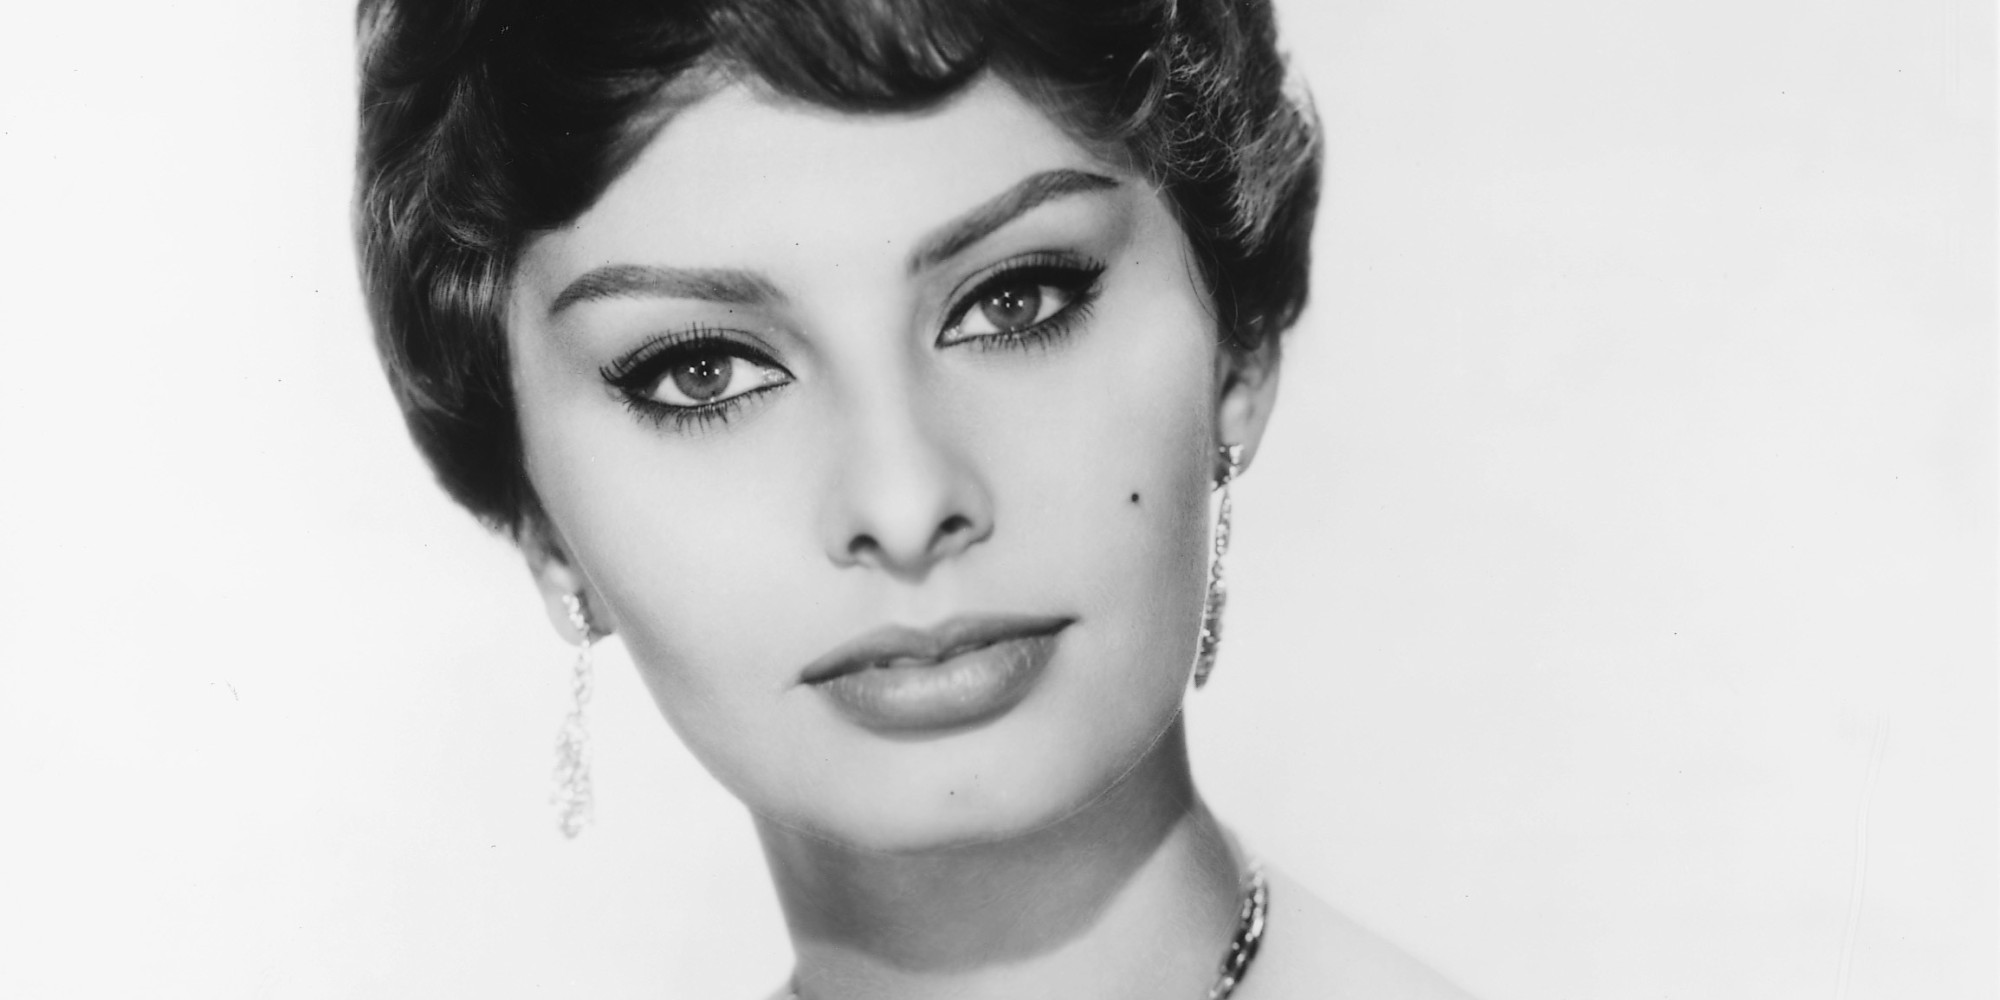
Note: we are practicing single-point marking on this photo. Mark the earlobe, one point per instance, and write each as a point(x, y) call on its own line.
point(560, 582)
point(1246, 391)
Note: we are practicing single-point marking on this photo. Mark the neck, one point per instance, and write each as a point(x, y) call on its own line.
point(1133, 896)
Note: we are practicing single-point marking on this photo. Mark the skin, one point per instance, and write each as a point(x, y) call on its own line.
point(1059, 849)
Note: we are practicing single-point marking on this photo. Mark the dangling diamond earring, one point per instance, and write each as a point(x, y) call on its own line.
point(1218, 592)
point(572, 796)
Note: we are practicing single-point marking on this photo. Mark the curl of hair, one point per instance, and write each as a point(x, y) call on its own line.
point(484, 122)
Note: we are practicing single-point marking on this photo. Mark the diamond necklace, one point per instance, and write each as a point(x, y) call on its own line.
point(1242, 945)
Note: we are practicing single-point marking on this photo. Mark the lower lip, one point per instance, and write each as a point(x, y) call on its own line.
point(914, 696)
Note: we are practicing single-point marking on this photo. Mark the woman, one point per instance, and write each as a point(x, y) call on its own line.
point(867, 368)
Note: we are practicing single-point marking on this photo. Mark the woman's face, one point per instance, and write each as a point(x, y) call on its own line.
point(884, 442)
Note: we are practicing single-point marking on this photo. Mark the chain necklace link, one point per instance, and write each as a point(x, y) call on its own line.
point(1249, 934)
point(1243, 944)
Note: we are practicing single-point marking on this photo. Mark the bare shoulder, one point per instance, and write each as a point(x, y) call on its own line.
point(1311, 950)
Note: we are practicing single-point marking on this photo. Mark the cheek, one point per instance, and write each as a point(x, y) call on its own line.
point(1152, 563)
point(698, 549)
point(1110, 454)
point(1134, 448)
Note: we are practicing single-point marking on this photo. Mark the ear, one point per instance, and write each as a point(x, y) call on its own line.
point(557, 577)
point(1246, 387)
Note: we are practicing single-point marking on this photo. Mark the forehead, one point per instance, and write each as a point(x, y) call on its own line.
point(744, 177)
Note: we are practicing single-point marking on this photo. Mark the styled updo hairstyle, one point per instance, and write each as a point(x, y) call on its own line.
point(484, 122)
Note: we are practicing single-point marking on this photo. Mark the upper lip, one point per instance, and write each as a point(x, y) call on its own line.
point(935, 644)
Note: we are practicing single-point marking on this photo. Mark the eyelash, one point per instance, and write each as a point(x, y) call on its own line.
point(1076, 276)
point(637, 373)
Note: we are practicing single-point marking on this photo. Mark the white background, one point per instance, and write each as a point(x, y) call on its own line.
point(1613, 606)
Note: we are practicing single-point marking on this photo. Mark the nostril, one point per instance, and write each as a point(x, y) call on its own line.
point(953, 525)
point(861, 545)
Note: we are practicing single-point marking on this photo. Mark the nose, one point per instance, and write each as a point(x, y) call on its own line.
point(904, 495)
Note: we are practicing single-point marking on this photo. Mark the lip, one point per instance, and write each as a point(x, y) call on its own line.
point(956, 673)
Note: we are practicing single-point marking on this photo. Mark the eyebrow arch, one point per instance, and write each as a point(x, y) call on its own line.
point(625, 281)
point(981, 222)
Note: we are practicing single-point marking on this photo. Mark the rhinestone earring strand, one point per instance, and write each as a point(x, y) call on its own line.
point(1218, 590)
point(572, 796)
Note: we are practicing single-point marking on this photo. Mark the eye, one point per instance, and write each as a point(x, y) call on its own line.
point(704, 376)
point(695, 376)
point(1011, 308)
point(1022, 303)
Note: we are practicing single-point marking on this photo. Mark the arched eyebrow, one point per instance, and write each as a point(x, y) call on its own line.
point(624, 281)
point(962, 232)
point(747, 288)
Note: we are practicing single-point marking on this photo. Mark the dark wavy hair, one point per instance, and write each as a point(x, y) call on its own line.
point(484, 122)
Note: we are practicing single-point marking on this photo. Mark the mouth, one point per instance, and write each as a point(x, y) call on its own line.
point(956, 674)
point(901, 646)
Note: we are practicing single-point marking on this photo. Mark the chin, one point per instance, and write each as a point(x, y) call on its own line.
point(1000, 782)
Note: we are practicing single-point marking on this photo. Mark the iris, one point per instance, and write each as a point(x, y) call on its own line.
point(703, 378)
point(1014, 307)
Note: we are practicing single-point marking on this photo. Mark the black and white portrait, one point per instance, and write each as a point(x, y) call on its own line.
point(836, 499)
